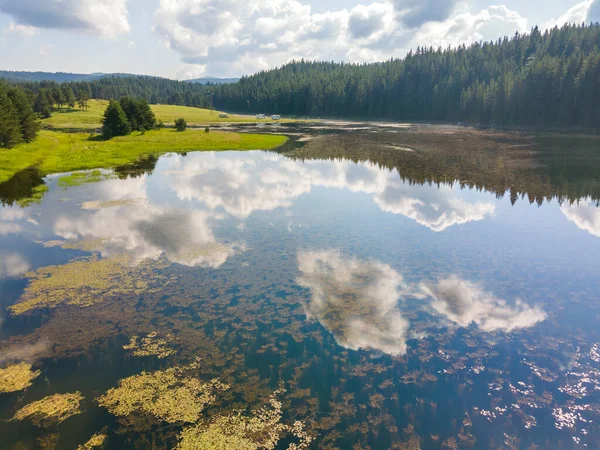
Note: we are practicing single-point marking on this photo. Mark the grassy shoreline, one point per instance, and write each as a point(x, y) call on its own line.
point(90, 119)
point(56, 152)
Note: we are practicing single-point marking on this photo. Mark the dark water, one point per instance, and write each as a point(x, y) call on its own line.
point(400, 294)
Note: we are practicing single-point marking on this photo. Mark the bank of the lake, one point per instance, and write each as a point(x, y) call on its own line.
point(91, 117)
point(56, 152)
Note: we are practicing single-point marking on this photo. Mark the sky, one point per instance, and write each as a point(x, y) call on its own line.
point(183, 39)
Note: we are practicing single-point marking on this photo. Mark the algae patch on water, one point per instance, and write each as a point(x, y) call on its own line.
point(262, 429)
point(51, 410)
point(151, 345)
point(96, 441)
point(96, 204)
point(170, 395)
point(84, 282)
point(17, 377)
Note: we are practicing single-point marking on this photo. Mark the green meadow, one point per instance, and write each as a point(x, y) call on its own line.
point(58, 152)
point(91, 119)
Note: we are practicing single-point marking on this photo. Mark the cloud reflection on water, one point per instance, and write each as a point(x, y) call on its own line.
point(466, 303)
point(359, 302)
point(585, 214)
point(355, 300)
point(144, 230)
point(262, 182)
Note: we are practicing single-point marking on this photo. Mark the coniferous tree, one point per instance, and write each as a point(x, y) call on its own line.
point(69, 97)
point(28, 123)
point(41, 105)
point(115, 121)
point(10, 132)
point(138, 113)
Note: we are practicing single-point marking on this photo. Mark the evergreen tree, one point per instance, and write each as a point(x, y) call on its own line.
point(82, 99)
point(138, 113)
point(41, 105)
point(115, 121)
point(29, 125)
point(10, 132)
point(69, 97)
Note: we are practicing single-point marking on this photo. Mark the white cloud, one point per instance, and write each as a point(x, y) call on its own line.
point(45, 50)
point(233, 38)
point(414, 13)
point(585, 214)
point(594, 11)
point(24, 30)
point(489, 24)
point(355, 300)
point(466, 303)
point(577, 14)
point(106, 18)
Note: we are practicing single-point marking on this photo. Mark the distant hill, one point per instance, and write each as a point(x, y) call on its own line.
point(213, 80)
point(58, 77)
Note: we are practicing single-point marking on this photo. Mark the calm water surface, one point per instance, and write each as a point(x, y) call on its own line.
point(394, 307)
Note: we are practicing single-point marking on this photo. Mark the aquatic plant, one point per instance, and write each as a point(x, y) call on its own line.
point(97, 440)
point(84, 282)
point(17, 377)
point(95, 204)
point(262, 429)
point(51, 410)
point(37, 193)
point(151, 345)
point(79, 178)
point(49, 441)
point(169, 395)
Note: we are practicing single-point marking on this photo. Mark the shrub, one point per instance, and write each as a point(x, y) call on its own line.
point(180, 124)
point(207, 130)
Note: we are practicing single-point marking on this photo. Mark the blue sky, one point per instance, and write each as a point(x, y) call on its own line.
point(191, 38)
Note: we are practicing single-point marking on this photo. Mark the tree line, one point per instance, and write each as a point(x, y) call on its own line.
point(550, 79)
point(18, 122)
point(153, 90)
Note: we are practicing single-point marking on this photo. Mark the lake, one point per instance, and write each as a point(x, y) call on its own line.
point(405, 285)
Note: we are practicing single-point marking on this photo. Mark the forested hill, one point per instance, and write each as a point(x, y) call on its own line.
point(536, 79)
point(114, 87)
point(58, 77)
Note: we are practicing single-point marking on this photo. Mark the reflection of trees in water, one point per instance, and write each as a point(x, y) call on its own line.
point(21, 186)
point(539, 169)
point(144, 166)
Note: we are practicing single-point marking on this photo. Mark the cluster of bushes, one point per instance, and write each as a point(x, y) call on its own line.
point(127, 115)
point(18, 121)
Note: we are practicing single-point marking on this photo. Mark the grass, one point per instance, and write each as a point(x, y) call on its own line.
point(75, 119)
point(55, 152)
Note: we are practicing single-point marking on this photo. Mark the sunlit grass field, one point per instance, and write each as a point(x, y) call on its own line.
point(76, 119)
point(57, 152)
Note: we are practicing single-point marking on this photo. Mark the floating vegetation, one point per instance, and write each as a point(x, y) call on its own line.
point(37, 194)
point(262, 429)
point(84, 282)
point(96, 441)
point(17, 377)
point(151, 345)
point(51, 410)
point(168, 395)
point(49, 441)
point(96, 204)
point(79, 178)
